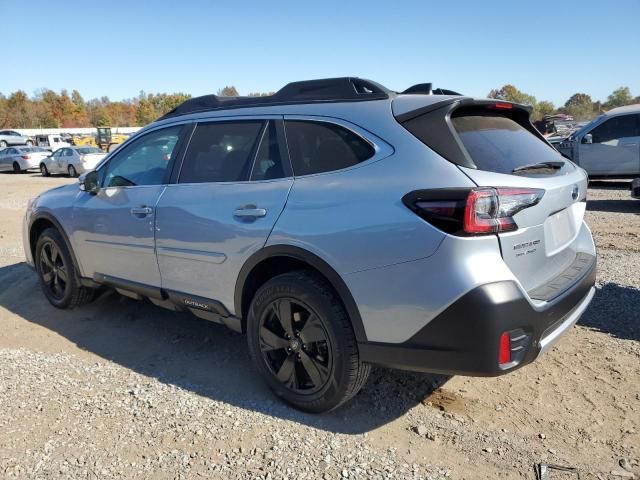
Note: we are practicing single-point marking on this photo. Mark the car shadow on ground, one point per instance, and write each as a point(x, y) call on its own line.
point(610, 184)
point(615, 311)
point(619, 206)
point(196, 355)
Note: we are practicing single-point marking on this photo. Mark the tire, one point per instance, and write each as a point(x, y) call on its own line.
point(3, 144)
point(16, 168)
point(29, 143)
point(72, 171)
point(43, 170)
point(57, 272)
point(316, 371)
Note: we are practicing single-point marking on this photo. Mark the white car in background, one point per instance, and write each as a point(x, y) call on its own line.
point(20, 159)
point(72, 161)
point(11, 137)
point(608, 146)
point(51, 142)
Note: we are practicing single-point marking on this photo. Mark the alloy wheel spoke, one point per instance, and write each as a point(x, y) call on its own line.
point(54, 254)
point(287, 372)
point(316, 371)
point(62, 274)
point(270, 341)
point(283, 312)
point(45, 259)
point(312, 331)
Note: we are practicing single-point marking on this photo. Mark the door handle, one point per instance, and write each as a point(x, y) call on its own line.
point(249, 211)
point(141, 211)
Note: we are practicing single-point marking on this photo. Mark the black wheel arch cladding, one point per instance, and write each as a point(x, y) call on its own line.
point(312, 261)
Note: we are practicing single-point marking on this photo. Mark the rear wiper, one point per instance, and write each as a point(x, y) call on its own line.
point(539, 166)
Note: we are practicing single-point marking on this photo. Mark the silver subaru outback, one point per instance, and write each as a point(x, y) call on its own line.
point(339, 225)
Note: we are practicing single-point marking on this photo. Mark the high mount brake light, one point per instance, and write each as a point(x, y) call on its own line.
point(502, 106)
point(479, 211)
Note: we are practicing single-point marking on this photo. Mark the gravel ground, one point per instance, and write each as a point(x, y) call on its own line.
point(122, 389)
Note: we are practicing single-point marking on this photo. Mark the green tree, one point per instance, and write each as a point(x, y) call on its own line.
point(512, 94)
point(619, 98)
point(543, 108)
point(228, 91)
point(579, 106)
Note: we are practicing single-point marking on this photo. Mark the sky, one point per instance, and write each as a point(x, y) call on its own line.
point(549, 49)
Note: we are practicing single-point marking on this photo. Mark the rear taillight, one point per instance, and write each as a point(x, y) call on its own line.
point(491, 210)
point(476, 211)
point(26, 157)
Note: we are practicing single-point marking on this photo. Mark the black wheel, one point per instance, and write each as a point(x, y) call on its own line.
point(301, 340)
point(43, 170)
point(3, 144)
point(29, 143)
point(57, 272)
point(72, 171)
point(16, 168)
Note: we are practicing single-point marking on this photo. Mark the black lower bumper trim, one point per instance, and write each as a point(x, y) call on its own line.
point(464, 339)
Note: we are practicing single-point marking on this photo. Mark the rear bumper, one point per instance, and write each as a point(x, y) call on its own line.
point(465, 338)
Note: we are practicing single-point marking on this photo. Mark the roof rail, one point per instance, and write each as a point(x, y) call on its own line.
point(341, 89)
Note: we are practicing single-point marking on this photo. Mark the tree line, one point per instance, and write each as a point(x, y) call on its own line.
point(49, 109)
point(580, 105)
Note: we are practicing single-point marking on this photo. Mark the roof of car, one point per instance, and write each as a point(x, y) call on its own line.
point(320, 91)
point(626, 109)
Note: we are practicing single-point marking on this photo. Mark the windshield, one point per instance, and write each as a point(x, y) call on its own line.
point(34, 149)
point(588, 126)
point(86, 150)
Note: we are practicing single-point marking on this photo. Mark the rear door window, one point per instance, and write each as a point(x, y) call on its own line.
point(221, 152)
point(499, 144)
point(317, 147)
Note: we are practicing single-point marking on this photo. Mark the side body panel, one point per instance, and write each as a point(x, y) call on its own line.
point(202, 245)
point(112, 239)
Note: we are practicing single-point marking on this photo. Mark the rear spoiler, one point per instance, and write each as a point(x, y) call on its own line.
point(455, 103)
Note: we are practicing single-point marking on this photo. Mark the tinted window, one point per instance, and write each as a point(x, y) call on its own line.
point(268, 163)
point(615, 128)
point(317, 147)
point(68, 152)
point(499, 144)
point(143, 162)
point(221, 152)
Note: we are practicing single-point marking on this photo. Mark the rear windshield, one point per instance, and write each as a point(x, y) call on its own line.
point(499, 144)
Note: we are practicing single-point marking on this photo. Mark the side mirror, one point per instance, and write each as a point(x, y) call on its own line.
point(89, 182)
point(588, 138)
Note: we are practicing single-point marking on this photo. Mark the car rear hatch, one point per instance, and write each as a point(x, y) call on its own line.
point(528, 195)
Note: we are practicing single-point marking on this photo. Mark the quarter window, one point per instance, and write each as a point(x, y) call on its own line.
point(221, 152)
point(145, 161)
point(317, 147)
point(616, 128)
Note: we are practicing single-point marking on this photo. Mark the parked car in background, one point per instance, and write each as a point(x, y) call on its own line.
point(338, 224)
point(20, 159)
point(609, 145)
point(11, 138)
point(72, 161)
point(51, 142)
point(635, 188)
